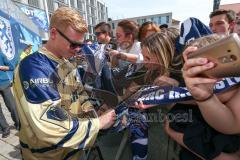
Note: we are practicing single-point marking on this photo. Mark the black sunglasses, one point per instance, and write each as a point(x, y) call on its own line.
point(73, 45)
point(98, 33)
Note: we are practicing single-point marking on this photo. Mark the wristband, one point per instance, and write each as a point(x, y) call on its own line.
point(119, 55)
point(123, 56)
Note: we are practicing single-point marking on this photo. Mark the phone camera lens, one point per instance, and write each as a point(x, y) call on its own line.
point(233, 58)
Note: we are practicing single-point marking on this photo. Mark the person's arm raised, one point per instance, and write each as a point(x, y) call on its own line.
point(222, 117)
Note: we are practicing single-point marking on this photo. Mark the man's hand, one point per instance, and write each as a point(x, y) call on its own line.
point(141, 106)
point(107, 119)
point(112, 52)
point(165, 81)
point(200, 87)
point(4, 68)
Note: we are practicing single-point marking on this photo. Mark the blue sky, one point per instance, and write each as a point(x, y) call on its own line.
point(181, 9)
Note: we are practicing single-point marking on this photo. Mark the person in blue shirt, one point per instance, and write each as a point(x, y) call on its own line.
point(6, 78)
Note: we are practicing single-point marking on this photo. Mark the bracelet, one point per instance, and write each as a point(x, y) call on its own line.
point(203, 100)
point(119, 55)
point(123, 56)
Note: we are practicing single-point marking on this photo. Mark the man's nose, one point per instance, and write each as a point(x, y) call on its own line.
point(213, 29)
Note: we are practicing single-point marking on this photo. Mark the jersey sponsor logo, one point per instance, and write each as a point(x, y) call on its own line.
point(40, 81)
point(25, 85)
point(37, 82)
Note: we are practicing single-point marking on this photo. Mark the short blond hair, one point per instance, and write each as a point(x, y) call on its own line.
point(65, 16)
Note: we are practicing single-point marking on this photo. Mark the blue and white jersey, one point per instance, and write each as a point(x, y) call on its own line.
point(50, 102)
point(192, 28)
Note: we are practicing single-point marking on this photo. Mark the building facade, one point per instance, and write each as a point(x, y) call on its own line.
point(93, 11)
point(158, 19)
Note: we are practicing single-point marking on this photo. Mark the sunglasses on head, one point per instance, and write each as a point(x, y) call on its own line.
point(147, 23)
point(73, 45)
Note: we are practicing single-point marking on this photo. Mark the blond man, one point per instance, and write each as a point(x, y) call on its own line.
point(51, 100)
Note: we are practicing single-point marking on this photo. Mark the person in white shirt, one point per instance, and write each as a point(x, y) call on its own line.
point(129, 48)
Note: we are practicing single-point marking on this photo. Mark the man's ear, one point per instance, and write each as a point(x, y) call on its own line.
point(130, 37)
point(108, 34)
point(232, 26)
point(53, 33)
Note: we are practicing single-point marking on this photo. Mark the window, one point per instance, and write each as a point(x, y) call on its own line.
point(50, 5)
point(72, 3)
point(159, 20)
point(87, 1)
point(139, 21)
point(113, 26)
point(34, 3)
point(99, 16)
point(100, 6)
point(143, 21)
point(92, 2)
point(89, 20)
point(90, 29)
point(167, 19)
point(92, 10)
point(102, 16)
point(93, 21)
point(88, 10)
point(80, 5)
point(164, 20)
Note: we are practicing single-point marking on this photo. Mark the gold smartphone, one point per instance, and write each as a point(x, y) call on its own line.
point(225, 54)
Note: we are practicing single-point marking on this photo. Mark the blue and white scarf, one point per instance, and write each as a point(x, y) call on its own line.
point(153, 95)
